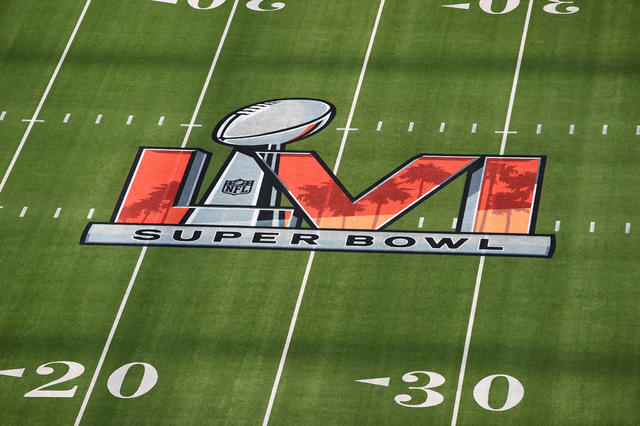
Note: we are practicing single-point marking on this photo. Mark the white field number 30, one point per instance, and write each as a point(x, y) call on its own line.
point(556, 7)
point(481, 391)
point(256, 5)
point(75, 370)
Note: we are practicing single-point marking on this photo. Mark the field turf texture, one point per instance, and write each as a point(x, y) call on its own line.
point(213, 322)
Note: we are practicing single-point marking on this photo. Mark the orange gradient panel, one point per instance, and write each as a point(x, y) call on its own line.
point(506, 200)
point(154, 188)
point(315, 189)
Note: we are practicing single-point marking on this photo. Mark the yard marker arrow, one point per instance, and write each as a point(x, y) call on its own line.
point(458, 6)
point(18, 372)
point(381, 381)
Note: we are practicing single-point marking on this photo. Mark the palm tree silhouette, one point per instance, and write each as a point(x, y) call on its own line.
point(425, 173)
point(318, 197)
point(386, 193)
point(157, 201)
point(346, 210)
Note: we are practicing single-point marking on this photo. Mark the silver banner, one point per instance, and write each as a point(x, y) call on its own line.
point(319, 239)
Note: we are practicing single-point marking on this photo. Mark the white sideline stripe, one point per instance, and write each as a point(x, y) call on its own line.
point(24, 211)
point(454, 223)
point(287, 342)
point(539, 129)
point(421, 222)
point(572, 129)
point(161, 121)
point(503, 146)
point(44, 96)
point(557, 226)
point(467, 341)
point(516, 76)
point(442, 126)
point(638, 131)
point(57, 213)
point(627, 228)
point(98, 118)
point(592, 227)
point(605, 129)
point(110, 337)
point(4, 114)
point(144, 249)
point(207, 81)
point(411, 126)
point(66, 118)
point(358, 87)
point(129, 120)
point(91, 212)
point(474, 127)
point(380, 126)
point(285, 350)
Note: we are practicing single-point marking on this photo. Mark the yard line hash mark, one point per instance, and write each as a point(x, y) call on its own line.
point(161, 121)
point(442, 126)
point(66, 118)
point(638, 131)
point(98, 118)
point(57, 213)
point(605, 129)
point(380, 126)
point(44, 95)
point(539, 129)
point(474, 128)
point(421, 222)
point(31, 120)
point(4, 114)
point(24, 211)
point(592, 227)
point(557, 229)
point(129, 120)
point(411, 126)
point(144, 249)
point(354, 103)
point(503, 146)
point(454, 223)
point(91, 212)
point(627, 228)
point(572, 129)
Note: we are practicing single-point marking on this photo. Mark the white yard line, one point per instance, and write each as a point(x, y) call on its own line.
point(516, 76)
point(303, 285)
point(287, 343)
point(467, 341)
point(210, 74)
point(96, 373)
point(503, 146)
point(144, 249)
point(358, 87)
point(44, 96)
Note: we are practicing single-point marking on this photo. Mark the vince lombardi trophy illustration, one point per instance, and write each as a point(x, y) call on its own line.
point(242, 194)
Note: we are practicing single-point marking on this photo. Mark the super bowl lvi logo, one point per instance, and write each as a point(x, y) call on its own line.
point(244, 207)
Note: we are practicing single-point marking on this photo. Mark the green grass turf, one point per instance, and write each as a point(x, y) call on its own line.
point(213, 322)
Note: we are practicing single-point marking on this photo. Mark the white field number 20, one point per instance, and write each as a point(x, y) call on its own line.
point(75, 370)
point(212, 4)
point(481, 391)
point(555, 7)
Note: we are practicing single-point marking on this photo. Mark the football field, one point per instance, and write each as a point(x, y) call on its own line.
point(141, 334)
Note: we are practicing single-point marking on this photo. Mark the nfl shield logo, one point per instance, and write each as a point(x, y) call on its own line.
point(237, 187)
